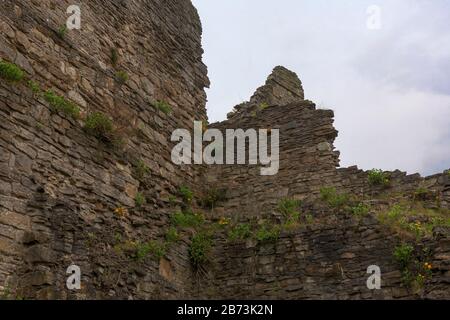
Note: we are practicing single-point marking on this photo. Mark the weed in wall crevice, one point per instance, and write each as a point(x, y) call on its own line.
point(62, 31)
point(141, 170)
point(213, 197)
point(140, 200)
point(114, 56)
point(163, 106)
point(377, 177)
point(413, 265)
point(60, 104)
point(199, 250)
point(11, 72)
point(121, 77)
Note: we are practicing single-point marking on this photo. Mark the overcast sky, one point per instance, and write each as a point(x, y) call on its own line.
point(389, 87)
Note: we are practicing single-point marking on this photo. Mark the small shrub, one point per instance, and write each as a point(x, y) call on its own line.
point(417, 229)
point(199, 249)
point(213, 197)
point(163, 106)
point(173, 200)
point(309, 219)
point(240, 232)
point(423, 194)
point(5, 294)
point(263, 106)
point(268, 234)
point(121, 77)
point(156, 249)
point(141, 170)
point(114, 57)
point(60, 104)
point(11, 72)
point(35, 88)
point(289, 208)
point(415, 270)
point(100, 126)
point(172, 235)
point(186, 194)
point(332, 198)
point(395, 213)
point(377, 177)
point(403, 255)
point(140, 200)
point(360, 210)
point(440, 222)
point(62, 31)
point(187, 220)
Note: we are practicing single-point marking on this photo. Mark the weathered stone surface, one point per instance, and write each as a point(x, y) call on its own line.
point(68, 198)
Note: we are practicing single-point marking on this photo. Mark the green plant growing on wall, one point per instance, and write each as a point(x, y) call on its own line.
point(5, 294)
point(212, 197)
point(240, 232)
point(114, 57)
point(262, 106)
point(330, 196)
point(172, 235)
point(62, 31)
point(377, 177)
point(360, 210)
point(417, 229)
point(11, 72)
point(309, 219)
point(187, 219)
point(163, 106)
point(140, 200)
point(156, 249)
point(289, 208)
point(141, 170)
point(100, 126)
point(121, 77)
point(186, 194)
point(199, 249)
point(423, 194)
point(60, 104)
point(268, 233)
point(403, 255)
point(415, 270)
point(34, 86)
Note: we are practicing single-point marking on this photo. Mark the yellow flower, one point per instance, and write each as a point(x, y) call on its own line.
point(121, 211)
point(224, 221)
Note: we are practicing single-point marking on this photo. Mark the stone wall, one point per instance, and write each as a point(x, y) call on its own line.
point(68, 198)
point(328, 260)
point(59, 186)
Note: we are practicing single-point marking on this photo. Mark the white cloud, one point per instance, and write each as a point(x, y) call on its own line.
point(390, 89)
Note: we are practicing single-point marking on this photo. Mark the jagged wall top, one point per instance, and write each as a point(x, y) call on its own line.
point(282, 87)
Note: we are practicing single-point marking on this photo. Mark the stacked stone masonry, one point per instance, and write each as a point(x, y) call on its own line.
point(60, 188)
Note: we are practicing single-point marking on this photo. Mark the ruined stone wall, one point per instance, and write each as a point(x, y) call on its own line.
point(328, 260)
point(354, 181)
point(59, 187)
point(307, 158)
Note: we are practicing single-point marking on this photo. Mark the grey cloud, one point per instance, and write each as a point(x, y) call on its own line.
point(390, 89)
